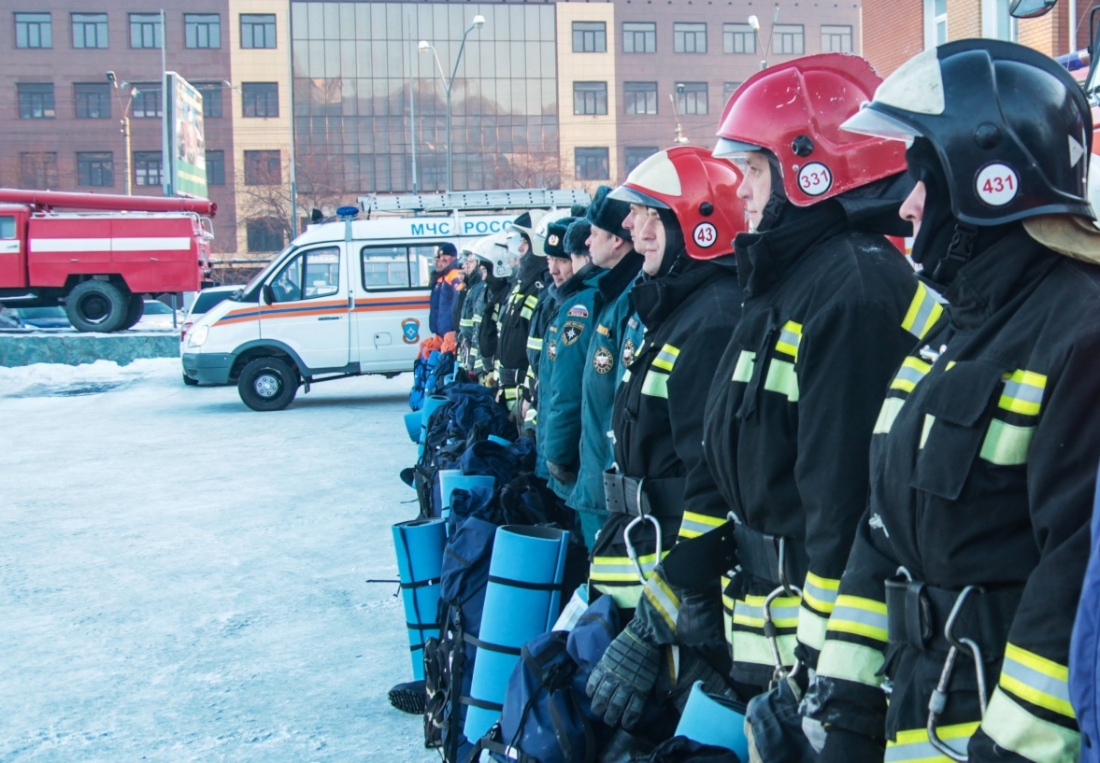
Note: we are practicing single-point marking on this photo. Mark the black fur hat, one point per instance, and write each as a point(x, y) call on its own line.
point(577, 235)
point(609, 214)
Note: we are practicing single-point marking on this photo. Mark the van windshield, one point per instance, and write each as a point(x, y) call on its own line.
point(259, 277)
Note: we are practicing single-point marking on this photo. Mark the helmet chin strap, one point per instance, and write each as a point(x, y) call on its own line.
point(777, 201)
point(959, 252)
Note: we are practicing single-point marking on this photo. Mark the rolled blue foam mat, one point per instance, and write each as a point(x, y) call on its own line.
point(522, 600)
point(412, 425)
point(712, 720)
point(499, 440)
point(430, 404)
point(451, 480)
point(419, 544)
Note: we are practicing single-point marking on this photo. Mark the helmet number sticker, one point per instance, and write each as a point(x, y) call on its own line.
point(815, 179)
point(997, 184)
point(705, 235)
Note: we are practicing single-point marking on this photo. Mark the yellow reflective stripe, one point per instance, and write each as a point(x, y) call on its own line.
point(891, 407)
point(750, 611)
point(620, 568)
point(1023, 392)
point(912, 746)
point(625, 597)
point(534, 343)
point(755, 648)
point(531, 301)
point(626, 375)
point(476, 319)
point(693, 525)
point(742, 372)
point(525, 313)
point(666, 358)
point(466, 323)
point(820, 593)
point(531, 417)
point(1036, 679)
point(1007, 444)
point(811, 628)
point(1014, 728)
point(782, 379)
point(655, 384)
point(790, 336)
point(660, 595)
point(912, 371)
point(851, 662)
point(929, 420)
point(923, 312)
point(863, 617)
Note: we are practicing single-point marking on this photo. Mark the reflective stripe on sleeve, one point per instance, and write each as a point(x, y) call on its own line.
point(658, 593)
point(1007, 444)
point(750, 611)
point(620, 568)
point(666, 358)
point(742, 372)
point(1023, 392)
point(863, 617)
point(913, 746)
point(693, 525)
point(891, 407)
point(534, 343)
point(811, 627)
point(912, 371)
point(782, 379)
point(1008, 724)
point(756, 649)
point(923, 312)
point(820, 593)
point(851, 662)
point(1037, 680)
point(655, 384)
point(790, 336)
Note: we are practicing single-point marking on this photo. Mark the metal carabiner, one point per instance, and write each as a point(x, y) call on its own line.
point(771, 633)
point(937, 703)
point(642, 517)
point(783, 582)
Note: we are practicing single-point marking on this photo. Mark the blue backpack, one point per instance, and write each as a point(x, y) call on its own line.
point(547, 716)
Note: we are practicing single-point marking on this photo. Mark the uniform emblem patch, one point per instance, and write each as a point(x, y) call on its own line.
point(633, 323)
point(571, 332)
point(628, 352)
point(603, 330)
point(603, 361)
point(410, 330)
point(577, 311)
point(552, 349)
point(553, 240)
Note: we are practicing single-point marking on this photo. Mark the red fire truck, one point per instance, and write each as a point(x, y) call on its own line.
point(97, 254)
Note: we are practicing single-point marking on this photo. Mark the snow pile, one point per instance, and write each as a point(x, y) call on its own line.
point(22, 380)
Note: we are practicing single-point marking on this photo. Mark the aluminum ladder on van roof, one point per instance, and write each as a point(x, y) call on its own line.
point(474, 200)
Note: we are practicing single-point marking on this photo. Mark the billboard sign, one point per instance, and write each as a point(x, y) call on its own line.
point(184, 143)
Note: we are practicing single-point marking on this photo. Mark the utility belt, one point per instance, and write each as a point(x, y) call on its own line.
point(935, 619)
point(775, 559)
point(642, 497)
point(509, 377)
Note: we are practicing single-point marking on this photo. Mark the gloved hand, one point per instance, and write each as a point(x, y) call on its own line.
point(489, 380)
point(623, 679)
point(561, 473)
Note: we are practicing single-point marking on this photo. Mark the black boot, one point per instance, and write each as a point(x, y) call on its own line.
point(409, 697)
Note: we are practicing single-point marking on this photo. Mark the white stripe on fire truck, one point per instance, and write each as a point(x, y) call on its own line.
point(134, 244)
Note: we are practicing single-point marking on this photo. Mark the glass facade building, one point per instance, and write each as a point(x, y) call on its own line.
point(356, 64)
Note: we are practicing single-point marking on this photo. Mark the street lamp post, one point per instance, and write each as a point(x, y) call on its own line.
point(125, 107)
point(424, 47)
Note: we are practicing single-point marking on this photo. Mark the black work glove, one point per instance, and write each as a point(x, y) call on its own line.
point(561, 473)
point(624, 678)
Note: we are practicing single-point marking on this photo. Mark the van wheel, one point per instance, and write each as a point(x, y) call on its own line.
point(134, 310)
point(267, 384)
point(97, 306)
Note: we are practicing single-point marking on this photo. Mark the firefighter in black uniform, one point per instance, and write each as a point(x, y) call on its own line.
point(689, 304)
point(518, 308)
point(963, 581)
point(497, 267)
point(830, 310)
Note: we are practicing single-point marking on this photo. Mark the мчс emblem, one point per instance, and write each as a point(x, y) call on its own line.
point(603, 361)
point(410, 330)
point(552, 348)
point(628, 352)
point(571, 332)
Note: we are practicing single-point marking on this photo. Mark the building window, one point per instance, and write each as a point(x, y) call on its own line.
point(640, 97)
point(33, 30)
point(38, 169)
point(935, 23)
point(215, 168)
point(202, 30)
point(35, 100)
point(147, 168)
point(729, 88)
point(639, 37)
point(1004, 26)
point(257, 30)
point(691, 97)
point(93, 100)
point(788, 40)
point(146, 103)
point(260, 99)
point(89, 30)
point(265, 235)
point(211, 98)
point(689, 38)
point(95, 169)
point(836, 39)
point(589, 97)
point(738, 38)
point(263, 168)
point(593, 164)
point(635, 155)
point(589, 37)
point(145, 30)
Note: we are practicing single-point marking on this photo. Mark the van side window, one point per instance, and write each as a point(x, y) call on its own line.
point(391, 268)
point(310, 275)
point(7, 226)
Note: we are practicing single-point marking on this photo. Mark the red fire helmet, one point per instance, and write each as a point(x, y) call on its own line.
point(696, 187)
point(795, 110)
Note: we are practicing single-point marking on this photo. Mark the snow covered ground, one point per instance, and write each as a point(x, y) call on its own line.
point(183, 579)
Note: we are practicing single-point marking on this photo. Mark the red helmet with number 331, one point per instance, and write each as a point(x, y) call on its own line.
point(795, 110)
point(696, 187)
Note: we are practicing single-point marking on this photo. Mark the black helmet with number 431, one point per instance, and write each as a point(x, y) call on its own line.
point(1010, 126)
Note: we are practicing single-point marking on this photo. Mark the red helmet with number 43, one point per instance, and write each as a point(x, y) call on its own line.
point(795, 110)
point(696, 187)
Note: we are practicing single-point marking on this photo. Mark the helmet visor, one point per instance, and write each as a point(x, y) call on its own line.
point(877, 124)
point(727, 148)
point(636, 196)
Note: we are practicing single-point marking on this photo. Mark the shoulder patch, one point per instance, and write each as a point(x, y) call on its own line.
point(601, 329)
point(603, 360)
point(577, 311)
point(571, 332)
point(629, 351)
point(552, 350)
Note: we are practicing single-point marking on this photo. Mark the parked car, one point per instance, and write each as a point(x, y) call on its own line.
point(158, 316)
point(204, 300)
point(38, 317)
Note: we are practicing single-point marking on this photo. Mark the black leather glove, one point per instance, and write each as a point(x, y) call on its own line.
point(623, 680)
point(561, 473)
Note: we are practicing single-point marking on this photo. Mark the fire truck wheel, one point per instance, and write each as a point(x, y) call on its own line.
point(134, 310)
point(97, 306)
point(267, 384)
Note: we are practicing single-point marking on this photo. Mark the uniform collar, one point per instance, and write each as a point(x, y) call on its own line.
point(620, 276)
point(764, 259)
point(656, 299)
